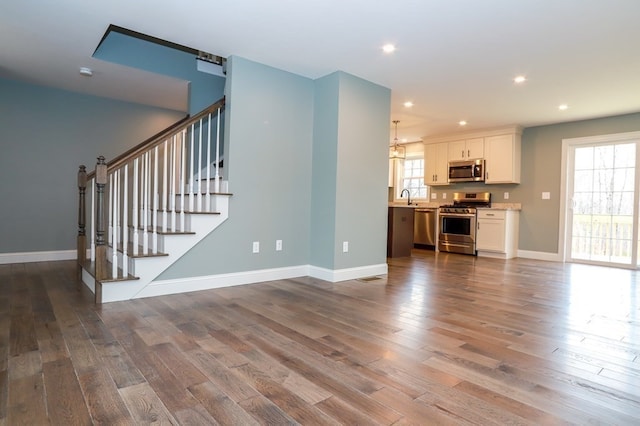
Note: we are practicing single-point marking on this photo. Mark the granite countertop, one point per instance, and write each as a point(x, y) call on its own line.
point(417, 206)
point(436, 204)
point(504, 206)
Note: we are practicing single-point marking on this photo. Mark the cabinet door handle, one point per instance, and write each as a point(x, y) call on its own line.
point(468, 153)
point(462, 153)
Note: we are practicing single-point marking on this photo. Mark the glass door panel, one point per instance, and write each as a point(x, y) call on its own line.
point(603, 200)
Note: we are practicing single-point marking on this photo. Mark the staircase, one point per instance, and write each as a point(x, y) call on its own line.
point(149, 206)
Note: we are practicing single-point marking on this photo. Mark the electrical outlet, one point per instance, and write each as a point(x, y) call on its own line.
point(506, 195)
point(256, 246)
point(345, 246)
point(278, 245)
point(444, 195)
point(546, 195)
point(434, 196)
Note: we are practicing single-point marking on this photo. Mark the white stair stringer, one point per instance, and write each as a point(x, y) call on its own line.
point(146, 269)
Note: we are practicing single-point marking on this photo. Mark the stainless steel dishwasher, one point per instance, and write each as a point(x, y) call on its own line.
point(424, 227)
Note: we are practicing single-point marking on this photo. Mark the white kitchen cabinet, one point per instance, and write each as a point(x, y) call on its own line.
point(436, 164)
point(466, 149)
point(502, 155)
point(497, 233)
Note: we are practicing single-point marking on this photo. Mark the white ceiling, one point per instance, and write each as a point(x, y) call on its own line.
point(455, 59)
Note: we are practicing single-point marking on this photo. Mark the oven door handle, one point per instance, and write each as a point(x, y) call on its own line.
point(444, 243)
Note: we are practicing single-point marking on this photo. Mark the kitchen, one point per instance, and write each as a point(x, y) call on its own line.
point(455, 218)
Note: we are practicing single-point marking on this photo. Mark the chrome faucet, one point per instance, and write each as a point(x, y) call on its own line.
point(408, 196)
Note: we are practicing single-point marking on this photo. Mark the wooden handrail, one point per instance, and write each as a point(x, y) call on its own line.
point(159, 138)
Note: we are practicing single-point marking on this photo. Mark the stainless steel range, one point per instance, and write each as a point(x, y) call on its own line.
point(457, 222)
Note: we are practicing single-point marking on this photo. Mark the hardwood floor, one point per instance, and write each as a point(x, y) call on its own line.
point(444, 339)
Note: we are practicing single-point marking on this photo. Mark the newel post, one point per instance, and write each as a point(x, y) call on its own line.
point(82, 239)
point(101, 246)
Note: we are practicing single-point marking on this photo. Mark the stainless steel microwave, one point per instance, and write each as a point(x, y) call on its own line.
point(466, 171)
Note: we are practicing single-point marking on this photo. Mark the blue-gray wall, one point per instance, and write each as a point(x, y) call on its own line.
point(307, 165)
point(349, 196)
point(324, 169)
point(45, 134)
point(361, 172)
point(204, 88)
point(269, 135)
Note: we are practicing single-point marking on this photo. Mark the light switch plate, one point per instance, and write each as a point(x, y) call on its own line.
point(546, 195)
point(256, 247)
point(434, 196)
point(444, 195)
point(506, 195)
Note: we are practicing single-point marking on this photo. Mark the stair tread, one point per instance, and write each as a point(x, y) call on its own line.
point(204, 193)
point(186, 212)
point(167, 232)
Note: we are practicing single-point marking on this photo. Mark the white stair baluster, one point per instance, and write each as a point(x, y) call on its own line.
point(164, 189)
point(208, 196)
point(110, 204)
point(134, 208)
point(182, 178)
point(145, 218)
point(154, 228)
point(93, 220)
point(191, 197)
point(200, 167)
point(217, 177)
point(114, 238)
point(172, 185)
point(125, 222)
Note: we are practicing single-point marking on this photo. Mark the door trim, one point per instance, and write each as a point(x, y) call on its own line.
point(565, 170)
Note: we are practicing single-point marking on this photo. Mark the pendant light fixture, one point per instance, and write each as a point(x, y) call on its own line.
point(397, 151)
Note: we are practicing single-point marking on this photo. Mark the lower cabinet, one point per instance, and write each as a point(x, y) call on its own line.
point(399, 231)
point(497, 233)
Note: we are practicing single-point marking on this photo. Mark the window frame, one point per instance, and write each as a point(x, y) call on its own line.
point(399, 178)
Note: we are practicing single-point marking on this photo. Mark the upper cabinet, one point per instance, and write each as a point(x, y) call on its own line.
point(499, 147)
point(502, 158)
point(466, 149)
point(436, 164)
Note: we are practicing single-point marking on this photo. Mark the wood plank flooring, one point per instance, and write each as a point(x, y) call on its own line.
point(444, 339)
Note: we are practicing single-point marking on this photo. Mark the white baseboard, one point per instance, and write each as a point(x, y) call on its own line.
point(184, 285)
point(539, 255)
point(347, 274)
point(37, 256)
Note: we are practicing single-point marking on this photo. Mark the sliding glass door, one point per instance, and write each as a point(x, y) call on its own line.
point(602, 218)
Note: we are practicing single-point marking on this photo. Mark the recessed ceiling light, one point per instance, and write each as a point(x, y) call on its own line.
point(462, 123)
point(563, 107)
point(519, 79)
point(86, 71)
point(408, 104)
point(388, 48)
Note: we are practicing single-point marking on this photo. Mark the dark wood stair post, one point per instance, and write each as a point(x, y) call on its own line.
point(82, 218)
point(101, 245)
